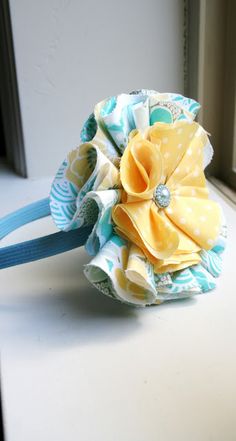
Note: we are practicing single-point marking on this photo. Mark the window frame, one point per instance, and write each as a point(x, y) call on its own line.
point(211, 66)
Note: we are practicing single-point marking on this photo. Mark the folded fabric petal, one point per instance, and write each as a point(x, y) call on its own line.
point(181, 150)
point(117, 119)
point(177, 262)
point(204, 278)
point(212, 262)
point(185, 255)
point(123, 272)
point(100, 204)
point(175, 141)
point(198, 218)
point(141, 222)
point(220, 244)
point(139, 270)
point(140, 168)
point(94, 133)
point(182, 282)
point(107, 271)
point(85, 169)
point(186, 244)
point(169, 107)
point(118, 116)
point(89, 129)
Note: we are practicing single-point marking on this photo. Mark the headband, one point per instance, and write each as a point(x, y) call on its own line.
point(135, 194)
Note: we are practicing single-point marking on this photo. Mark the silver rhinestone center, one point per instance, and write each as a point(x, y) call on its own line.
point(161, 196)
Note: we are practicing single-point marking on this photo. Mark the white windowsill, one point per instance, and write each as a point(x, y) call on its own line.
point(77, 365)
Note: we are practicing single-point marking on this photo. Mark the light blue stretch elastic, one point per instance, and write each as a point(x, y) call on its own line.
point(37, 248)
point(23, 216)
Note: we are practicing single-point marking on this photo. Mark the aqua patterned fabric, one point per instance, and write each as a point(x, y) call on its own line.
point(168, 286)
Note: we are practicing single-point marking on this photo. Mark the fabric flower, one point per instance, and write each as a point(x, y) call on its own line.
point(169, 159)
point(138, 180)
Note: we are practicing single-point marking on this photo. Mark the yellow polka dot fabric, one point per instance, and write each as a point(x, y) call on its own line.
point(170, 237)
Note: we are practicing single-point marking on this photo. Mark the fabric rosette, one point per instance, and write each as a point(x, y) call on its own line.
point(138, 180)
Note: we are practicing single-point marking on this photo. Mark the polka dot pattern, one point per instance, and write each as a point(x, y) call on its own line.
point(142, 223)
point(171, 237)
point(187, 214)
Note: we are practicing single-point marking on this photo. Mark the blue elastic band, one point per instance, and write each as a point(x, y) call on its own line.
point(23, 216)
point(37, 248)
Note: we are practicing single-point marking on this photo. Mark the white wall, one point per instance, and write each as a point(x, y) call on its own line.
point(72, 53)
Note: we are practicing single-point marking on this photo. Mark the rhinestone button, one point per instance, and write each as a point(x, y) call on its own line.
point(161, 196)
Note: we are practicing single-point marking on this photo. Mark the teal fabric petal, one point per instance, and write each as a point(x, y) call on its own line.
point(212, 262)
point(89, 129)
point(179, 284)
point(63, 199)
point(204, 279)
point(103, 226)
point(109, 106)
point(188, 104)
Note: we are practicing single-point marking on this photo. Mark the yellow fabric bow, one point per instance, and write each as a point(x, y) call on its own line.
point(171, 237)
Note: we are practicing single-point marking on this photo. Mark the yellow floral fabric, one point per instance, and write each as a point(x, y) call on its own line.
point(170, 154)
point(79, 170)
